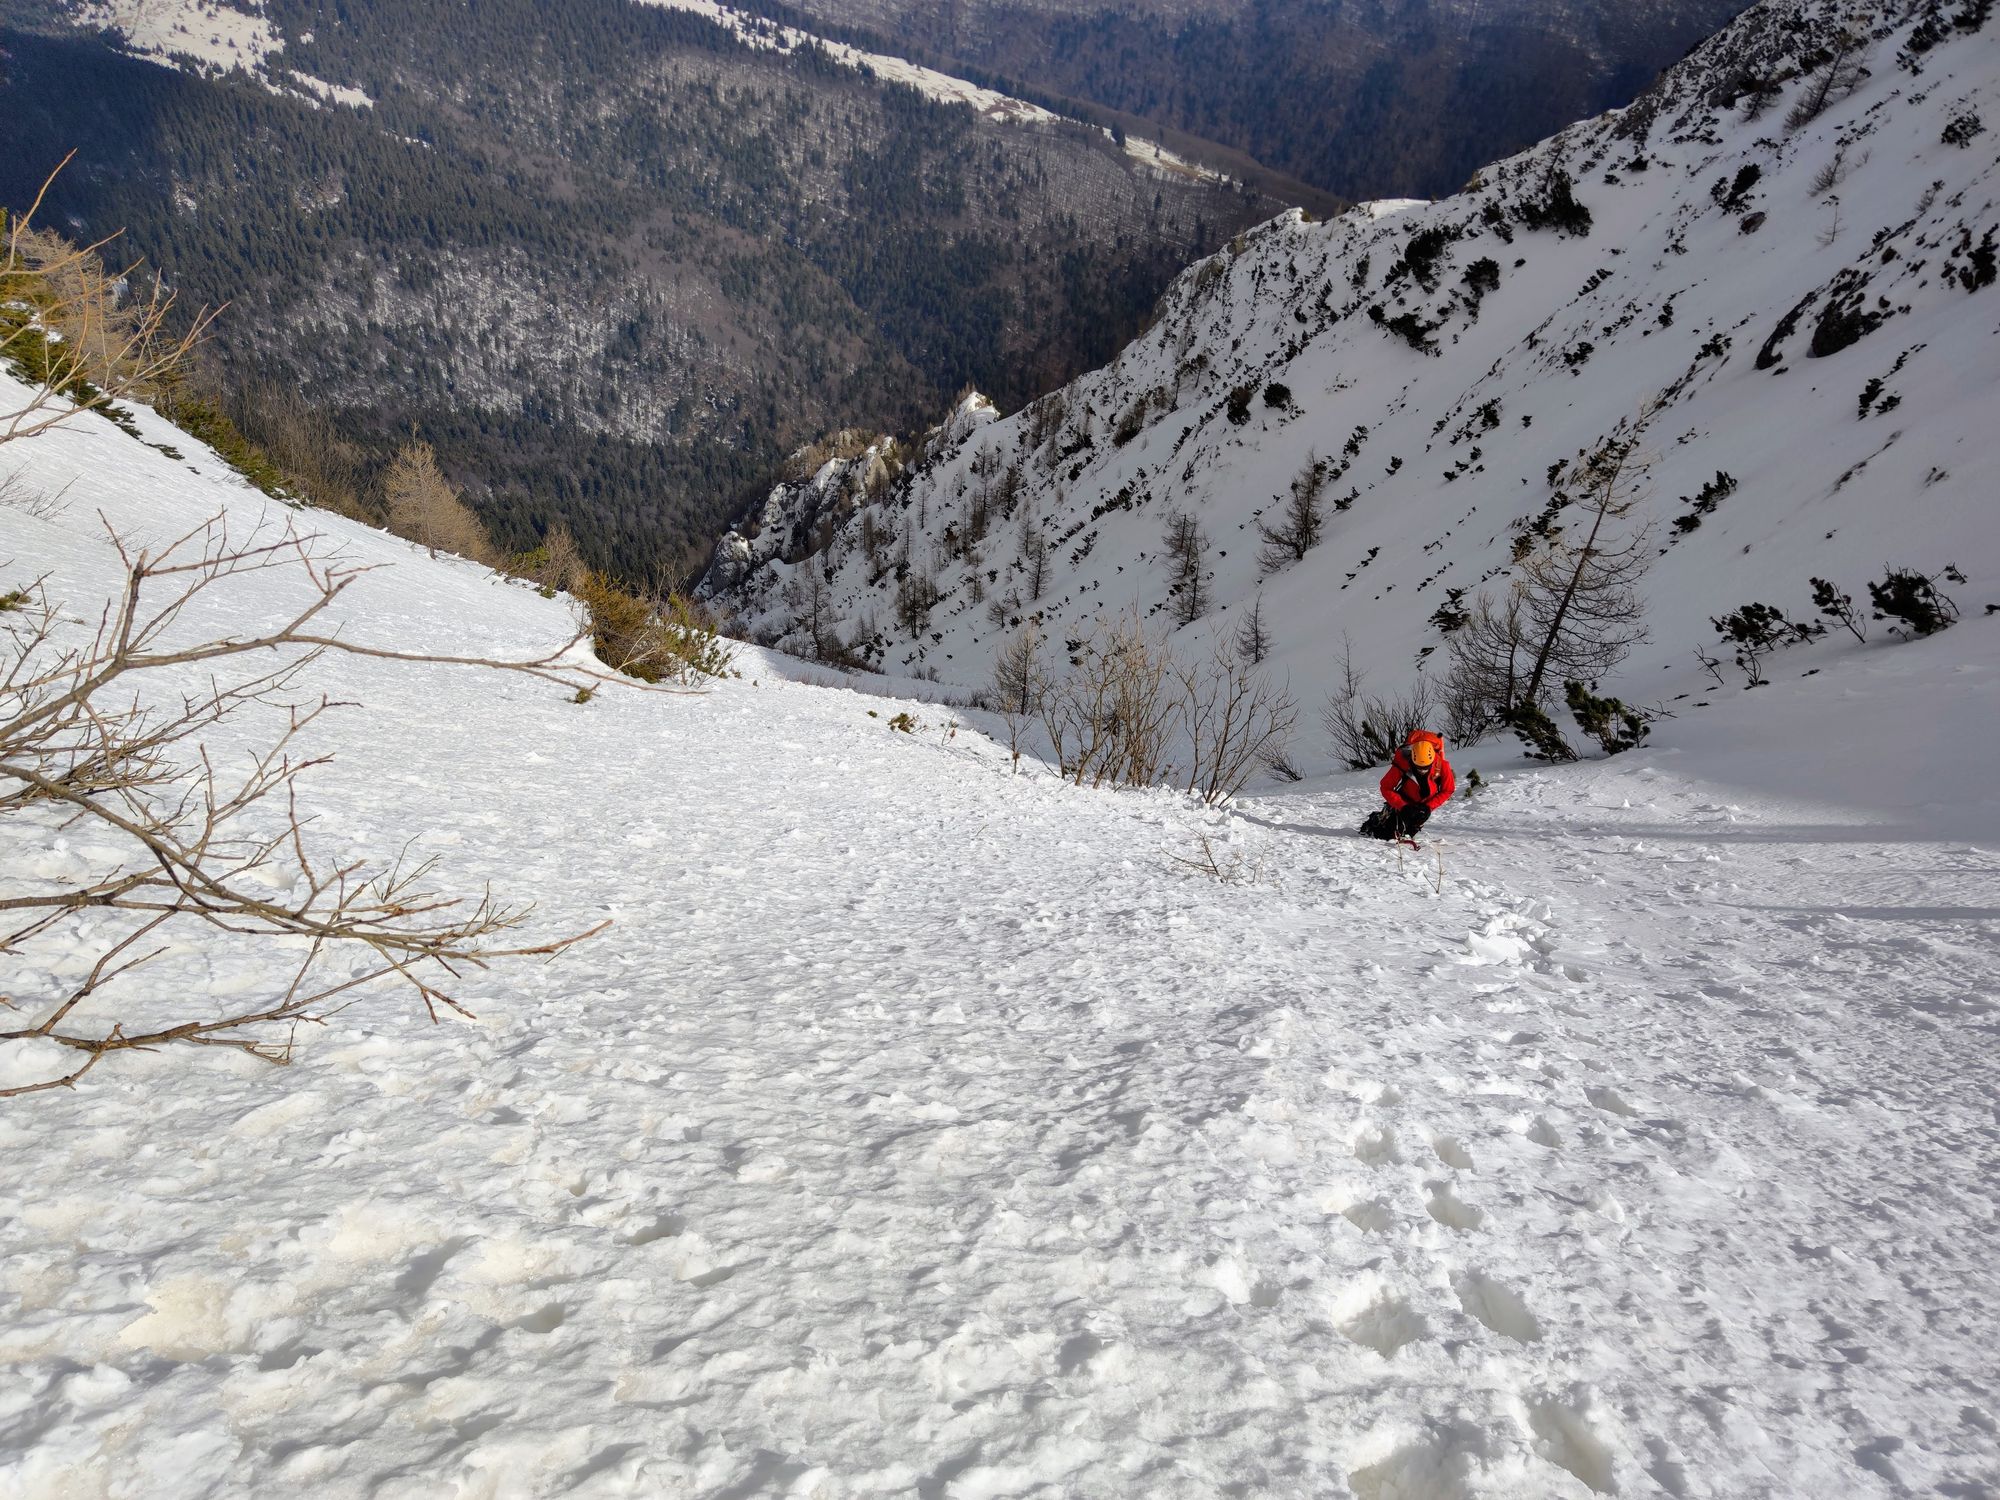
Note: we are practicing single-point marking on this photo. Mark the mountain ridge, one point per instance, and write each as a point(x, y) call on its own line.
point(1439, 366)
point(1363, 100)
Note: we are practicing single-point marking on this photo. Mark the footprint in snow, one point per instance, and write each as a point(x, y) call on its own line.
point(542, 1320)
point(1496, 1306)
point(1451, 1211)
point(1541, 1132)
point(1369, 1215)
point(1611, 1102)
point(1563, 1436)
point(1434, 1467)
point(1452, 1152)
point(1373, 1316)
point(1375, 1146)
point(662, 1227)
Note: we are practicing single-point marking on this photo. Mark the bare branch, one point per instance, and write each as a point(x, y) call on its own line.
point(94, 729)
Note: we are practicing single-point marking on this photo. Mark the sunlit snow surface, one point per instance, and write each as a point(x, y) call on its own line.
point(211, 32)
point(919, 1128)
point(212, 35)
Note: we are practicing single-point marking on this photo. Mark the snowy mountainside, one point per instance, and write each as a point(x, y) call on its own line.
point(1813, 305)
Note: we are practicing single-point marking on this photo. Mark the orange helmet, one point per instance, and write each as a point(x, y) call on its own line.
point(1425, 746)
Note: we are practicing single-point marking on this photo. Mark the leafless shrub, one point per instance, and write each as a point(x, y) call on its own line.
point(1203, 860)
point(1017, 673)
point(1110, 720)
point(1365, 728)
point(1018, 686)
point(1490, 657)
point(562, 561)
point(24, 498)
point(1282, 767)
point(106, 731)
point(68, 327)
point(1128, 713)
point(1467, 713)
point(1236, 720)
point(319, 465)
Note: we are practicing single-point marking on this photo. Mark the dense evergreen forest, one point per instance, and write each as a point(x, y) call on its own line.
point(1357, 97)
point(609, 261)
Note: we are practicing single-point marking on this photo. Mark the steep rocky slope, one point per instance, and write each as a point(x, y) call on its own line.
point(1808, 303)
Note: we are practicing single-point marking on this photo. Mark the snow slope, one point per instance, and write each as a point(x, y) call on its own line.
point(920, 1127)
point(1816, 307)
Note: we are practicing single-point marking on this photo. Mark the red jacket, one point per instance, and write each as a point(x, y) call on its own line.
point(1405, 783)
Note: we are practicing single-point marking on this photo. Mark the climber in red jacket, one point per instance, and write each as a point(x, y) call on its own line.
point(1417, 783)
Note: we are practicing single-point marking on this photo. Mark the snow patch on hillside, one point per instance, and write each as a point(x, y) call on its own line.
point(1001, 108)
point(755, 31)
point(1383, 208)
point(213, 36)
point(330, 93)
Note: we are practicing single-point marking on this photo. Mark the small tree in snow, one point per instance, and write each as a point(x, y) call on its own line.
point(1579, 589)
point(1907, 595)
point(425, 507)
point(1836, 78)
point(1303, 524)
point(811, 602)
point(1017, 674)
point(1187, 551)
point(1253, 641)
point(1034, 559)
point(1756, 630)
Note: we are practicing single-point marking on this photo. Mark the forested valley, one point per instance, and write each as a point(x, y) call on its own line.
point(608, 261)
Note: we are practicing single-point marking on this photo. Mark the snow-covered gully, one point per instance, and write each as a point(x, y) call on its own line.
point(923, 1128)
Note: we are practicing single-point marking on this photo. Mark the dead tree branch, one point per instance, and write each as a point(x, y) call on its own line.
point(102, 731)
